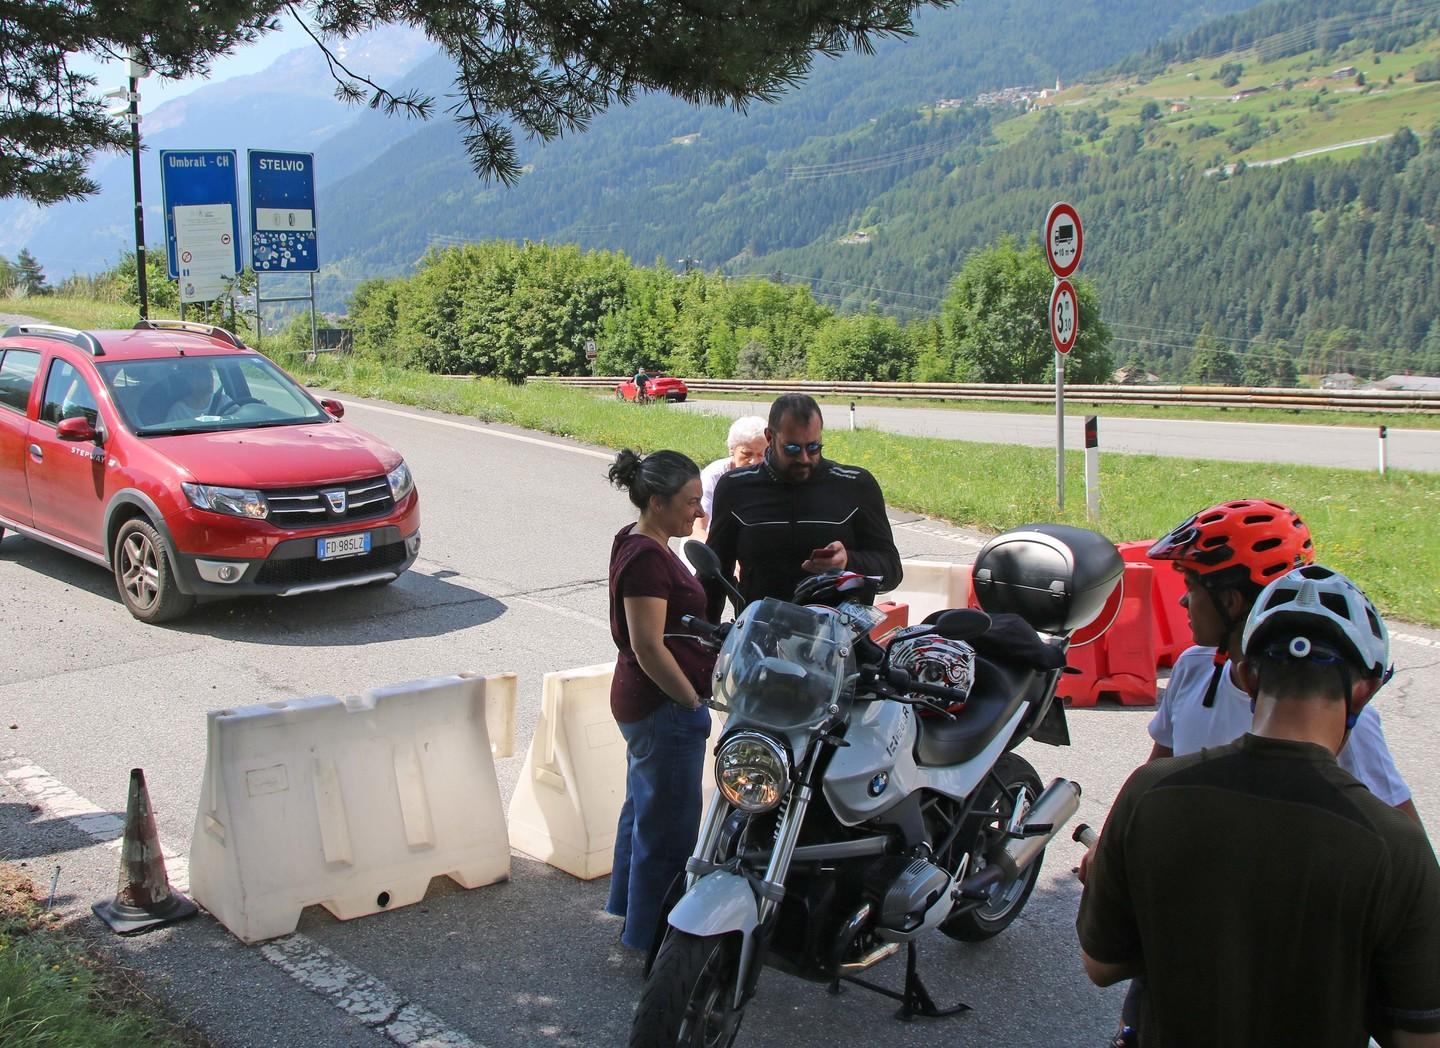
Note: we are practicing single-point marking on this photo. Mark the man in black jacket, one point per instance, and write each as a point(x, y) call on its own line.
point(797, 513)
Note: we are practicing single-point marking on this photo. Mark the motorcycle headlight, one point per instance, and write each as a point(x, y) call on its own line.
point(401, 483)
point(752, 771)
point(237, 502)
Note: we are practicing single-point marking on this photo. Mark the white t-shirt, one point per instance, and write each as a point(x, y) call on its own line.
point(1184, 724)
point(709, 477)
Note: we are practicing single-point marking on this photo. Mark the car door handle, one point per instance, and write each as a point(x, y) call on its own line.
point(37, 453)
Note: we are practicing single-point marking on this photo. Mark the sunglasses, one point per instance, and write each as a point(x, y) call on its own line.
point(812, 448)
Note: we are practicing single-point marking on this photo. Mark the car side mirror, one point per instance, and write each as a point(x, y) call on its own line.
point(334, 407)
point(75, 429)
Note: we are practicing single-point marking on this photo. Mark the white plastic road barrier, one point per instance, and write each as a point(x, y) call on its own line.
point(930, 586)
point(351, 803)
point(572, 786)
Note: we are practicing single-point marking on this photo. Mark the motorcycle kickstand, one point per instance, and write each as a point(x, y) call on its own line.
point(915, 1000)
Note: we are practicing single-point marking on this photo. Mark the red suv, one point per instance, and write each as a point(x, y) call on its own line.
point(193, 467)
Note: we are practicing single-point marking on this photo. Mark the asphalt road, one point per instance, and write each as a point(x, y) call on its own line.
point(511, 577)
point(1348, 447)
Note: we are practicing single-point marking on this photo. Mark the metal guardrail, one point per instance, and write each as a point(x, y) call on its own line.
point(1360, 400)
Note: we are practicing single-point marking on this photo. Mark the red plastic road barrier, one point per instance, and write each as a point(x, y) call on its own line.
point(1171, 626)
point(896, 615)
point(1117, 657)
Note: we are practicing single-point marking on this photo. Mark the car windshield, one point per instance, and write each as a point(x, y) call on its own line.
point(204, 394)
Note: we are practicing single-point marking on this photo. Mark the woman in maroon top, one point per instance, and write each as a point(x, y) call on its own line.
point(658, 691)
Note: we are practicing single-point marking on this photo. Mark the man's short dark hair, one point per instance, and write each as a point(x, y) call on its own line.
point(801, 405)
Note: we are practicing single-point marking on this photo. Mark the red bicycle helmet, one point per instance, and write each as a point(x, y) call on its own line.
point(1264, 538)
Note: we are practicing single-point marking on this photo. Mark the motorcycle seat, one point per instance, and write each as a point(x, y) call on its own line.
point(997, 693)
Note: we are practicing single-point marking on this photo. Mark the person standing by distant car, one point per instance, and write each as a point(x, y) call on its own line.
point(746, 445)
point(658, 690)
point(796, 513)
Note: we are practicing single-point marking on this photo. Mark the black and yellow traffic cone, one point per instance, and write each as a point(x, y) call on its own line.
point(144, 899)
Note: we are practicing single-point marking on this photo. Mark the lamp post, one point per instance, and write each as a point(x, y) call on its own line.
point(131, 112)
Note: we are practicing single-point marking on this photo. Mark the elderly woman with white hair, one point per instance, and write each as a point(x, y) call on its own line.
point(746, 442)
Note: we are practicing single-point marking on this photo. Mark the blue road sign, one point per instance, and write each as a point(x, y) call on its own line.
point(199, 178)
point(282, 212)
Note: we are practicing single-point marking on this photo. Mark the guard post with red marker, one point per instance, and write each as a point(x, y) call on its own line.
point(1092, 467)
point(1064, 241)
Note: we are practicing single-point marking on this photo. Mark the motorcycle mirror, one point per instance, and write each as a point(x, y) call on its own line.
point(707, 568)
point(702, 558)
point(962, 623)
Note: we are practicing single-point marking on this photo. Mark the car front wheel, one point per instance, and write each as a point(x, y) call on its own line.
point(145, 576)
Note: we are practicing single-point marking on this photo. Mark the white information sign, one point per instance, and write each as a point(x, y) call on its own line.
point(283, 220)
point(205, 244)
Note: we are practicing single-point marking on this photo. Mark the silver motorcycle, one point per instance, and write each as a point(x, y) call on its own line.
point(858, 807)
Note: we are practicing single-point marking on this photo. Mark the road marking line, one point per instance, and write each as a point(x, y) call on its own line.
point(470, 428)
point(351, 990)
point(362, 996)
point(1410, 638)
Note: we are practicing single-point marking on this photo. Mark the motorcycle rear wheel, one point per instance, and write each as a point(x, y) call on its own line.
point(988, 921)
point(688, 1000)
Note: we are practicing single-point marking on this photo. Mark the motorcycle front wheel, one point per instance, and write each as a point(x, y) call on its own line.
point(1019, 785)
point(688, 1000)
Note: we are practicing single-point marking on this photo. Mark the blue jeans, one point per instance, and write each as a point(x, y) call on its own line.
point(661, 816)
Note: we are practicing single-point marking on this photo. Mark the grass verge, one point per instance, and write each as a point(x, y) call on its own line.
point(55, 994)
point(1379, 531)
point(82, 313)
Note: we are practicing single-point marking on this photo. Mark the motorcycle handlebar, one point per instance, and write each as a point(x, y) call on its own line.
point(903, 682)
point(707, 633)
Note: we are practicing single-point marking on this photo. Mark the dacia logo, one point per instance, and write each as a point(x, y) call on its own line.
point(336, 500)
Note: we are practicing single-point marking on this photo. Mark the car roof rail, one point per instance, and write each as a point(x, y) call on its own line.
point(165, 324)
point(83, 339)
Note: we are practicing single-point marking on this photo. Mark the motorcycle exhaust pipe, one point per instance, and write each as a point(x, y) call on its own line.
point(1054, 807)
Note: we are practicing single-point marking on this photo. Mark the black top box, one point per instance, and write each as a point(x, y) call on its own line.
point(1055, 577)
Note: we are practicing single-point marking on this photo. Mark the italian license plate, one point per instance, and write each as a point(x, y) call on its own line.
point(342, 546)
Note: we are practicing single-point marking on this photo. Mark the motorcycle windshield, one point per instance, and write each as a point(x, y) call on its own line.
point(783, 666)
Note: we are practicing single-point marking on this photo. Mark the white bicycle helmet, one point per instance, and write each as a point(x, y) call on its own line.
point(932, 659)
point(1314, 612)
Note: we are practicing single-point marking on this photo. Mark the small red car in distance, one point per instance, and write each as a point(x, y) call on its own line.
point(657, 387)
point(193, 468)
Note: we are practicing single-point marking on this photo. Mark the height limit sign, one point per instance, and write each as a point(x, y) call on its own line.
point(1064, 316)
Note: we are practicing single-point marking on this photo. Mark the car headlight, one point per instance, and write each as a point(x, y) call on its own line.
point(401, 483)
point(752, 771)
point(237, 502)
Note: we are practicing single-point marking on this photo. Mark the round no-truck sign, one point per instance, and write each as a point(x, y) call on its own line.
point(1064, 316)
point(1064, 240)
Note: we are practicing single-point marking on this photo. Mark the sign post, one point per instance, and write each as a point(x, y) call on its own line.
point(1064, 241)
point(282, 224)
point(202, 220)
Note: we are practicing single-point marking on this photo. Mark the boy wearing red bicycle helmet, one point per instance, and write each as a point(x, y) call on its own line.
point(1228, 554)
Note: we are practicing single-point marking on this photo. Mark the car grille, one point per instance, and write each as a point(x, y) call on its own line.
point(311, 507)
point(295, 571)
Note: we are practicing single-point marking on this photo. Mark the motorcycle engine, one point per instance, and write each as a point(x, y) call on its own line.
point(904, 890)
